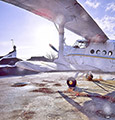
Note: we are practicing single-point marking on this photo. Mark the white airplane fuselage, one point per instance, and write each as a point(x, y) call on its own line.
point(96, 56)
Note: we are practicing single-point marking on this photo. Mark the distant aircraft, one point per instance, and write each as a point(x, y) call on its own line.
point(96, 52)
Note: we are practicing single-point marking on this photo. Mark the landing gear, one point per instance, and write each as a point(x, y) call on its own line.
point(71, 82)
point(89, 76)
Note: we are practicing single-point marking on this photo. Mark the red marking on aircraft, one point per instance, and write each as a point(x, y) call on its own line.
point(44, 13)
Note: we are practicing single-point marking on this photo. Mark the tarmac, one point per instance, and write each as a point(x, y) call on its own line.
point(45, 96)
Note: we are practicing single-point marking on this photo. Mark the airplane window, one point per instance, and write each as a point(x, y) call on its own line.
point(104, 52)
point(98, 52)
point(80, 44)
point(110, 53)
point(92, 51)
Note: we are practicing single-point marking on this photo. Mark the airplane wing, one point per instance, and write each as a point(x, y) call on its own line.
point(70, 12)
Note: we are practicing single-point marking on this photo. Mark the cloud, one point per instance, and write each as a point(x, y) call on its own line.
point(92, 3)
point(107, 23)
point(110, 6)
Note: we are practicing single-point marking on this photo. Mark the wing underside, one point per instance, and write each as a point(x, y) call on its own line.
point(75, 18)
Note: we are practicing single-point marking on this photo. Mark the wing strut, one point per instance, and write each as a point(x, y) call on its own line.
point(56, 27)
point(61, 41)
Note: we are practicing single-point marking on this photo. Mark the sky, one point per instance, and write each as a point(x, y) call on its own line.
point(32, 34)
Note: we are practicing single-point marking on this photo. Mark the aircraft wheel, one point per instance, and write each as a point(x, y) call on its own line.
point(71, 82)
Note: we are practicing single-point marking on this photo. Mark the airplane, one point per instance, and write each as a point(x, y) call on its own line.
point(95, 53)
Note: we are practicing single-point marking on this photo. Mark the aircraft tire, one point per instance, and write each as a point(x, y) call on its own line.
point(71, 82)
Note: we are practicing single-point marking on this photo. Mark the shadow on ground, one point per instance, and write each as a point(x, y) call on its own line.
point(96, 108)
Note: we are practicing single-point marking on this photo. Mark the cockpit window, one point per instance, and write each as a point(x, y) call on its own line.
point(80, 44)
